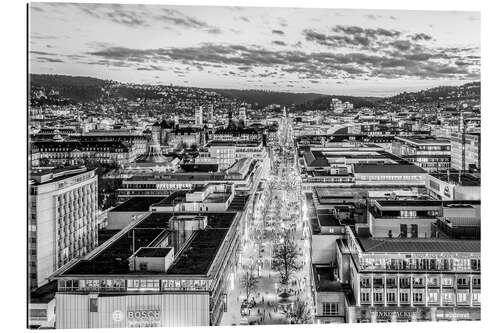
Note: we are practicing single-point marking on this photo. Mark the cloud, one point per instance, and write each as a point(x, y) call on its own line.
point(151, 68)
point(279, 42)
point(47, 59)
point(278, 32)
point(420, 36)
point(140, 15)
point(406, 60)
point(351, 36)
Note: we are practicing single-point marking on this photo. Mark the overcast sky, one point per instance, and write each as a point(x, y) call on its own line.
point(356, 52)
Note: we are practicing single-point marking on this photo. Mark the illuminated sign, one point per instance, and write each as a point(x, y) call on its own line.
point(143, 318)
point(169, 186)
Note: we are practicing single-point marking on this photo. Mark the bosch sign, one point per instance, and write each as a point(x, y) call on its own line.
point(144, 315)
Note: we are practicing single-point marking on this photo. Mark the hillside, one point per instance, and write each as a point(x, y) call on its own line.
point(470, 90)
point(63, 89)
point(60, 88)
point(266, 97)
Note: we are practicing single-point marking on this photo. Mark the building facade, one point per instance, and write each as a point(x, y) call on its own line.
point(63, 219)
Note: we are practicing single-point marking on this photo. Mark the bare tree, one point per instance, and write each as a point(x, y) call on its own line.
point(249, 282)
point(286, 259)
point(301, 314)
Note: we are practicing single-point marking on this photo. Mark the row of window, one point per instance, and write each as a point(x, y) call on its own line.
point(132, 285)
point(421, 264)
point(448, 298)
point(406, 282)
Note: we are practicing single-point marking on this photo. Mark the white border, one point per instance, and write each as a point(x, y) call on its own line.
point(13, 163)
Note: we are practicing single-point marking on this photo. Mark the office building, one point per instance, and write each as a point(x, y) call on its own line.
point(399, 280)
point(466, 155)
point(151, 271)
point(62, 219)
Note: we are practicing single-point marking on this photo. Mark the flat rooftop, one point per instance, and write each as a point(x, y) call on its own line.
point(195, 258)
point(50, 175)
point(388, 168)
point(434, 203)
point(414, 245)
point(425, 140)
point(222, 143)
point(137, 204)
point(327, 219)
point(325, 280)
point(464, 179)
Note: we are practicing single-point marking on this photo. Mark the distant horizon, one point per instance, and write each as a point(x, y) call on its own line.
point(302, 50)
point(256, 89)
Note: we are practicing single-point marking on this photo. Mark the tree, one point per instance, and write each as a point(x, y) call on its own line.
point(300, 314)
point(249, 282)
point(286, 259)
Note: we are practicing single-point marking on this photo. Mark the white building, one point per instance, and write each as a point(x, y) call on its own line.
point(62, 220)
point(198, 116)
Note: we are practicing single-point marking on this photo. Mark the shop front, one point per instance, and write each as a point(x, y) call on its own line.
point(356, 314)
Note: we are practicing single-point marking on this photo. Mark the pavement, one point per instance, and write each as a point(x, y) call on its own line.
point(282, 205)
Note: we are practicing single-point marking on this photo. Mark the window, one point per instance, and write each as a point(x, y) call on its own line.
point(365, 282)
point(447, 282)
point(418, 297)
point(403, 230)
point(476, 282)
point(365, 297)
point(378, 297)
point(330, 309)
point(391, 282)
point(462, 282)
point(404, 283)
point(462, 298)
point(447, 297)
point(414, 231)
point(403, 297)
point(378, 283)
point(38, 313)
point(391, 297)
point(433, 297)
point(93, 305)
point(476, 297)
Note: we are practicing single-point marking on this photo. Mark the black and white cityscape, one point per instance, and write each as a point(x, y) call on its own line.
point(226, 166)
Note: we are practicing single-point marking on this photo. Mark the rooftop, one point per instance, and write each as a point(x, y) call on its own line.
point(388, 168)
point(192, 167)
point(195, 258)
point(137, 204)
point(246, 143)
point(43, 294)
point(464, 179)
point(327, 219)
point(392, 245)
point(49, 175)
point(434, 203)
point(430, 140)
point(325, 280)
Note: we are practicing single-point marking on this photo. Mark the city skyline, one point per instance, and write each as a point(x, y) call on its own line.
point(330, 51)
